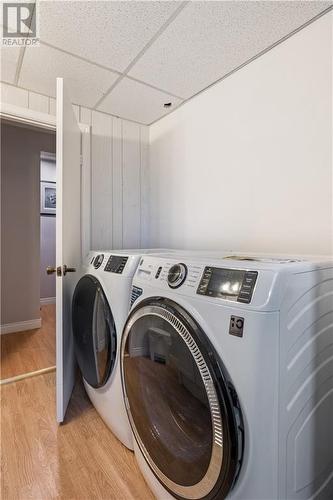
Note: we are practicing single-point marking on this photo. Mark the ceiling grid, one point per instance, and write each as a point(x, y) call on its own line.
point(130, 58)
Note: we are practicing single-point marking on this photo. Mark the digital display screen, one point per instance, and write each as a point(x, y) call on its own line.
point(225, 282)
point(116, 264)
point(229, 284)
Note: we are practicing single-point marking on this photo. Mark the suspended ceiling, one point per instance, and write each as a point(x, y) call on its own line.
point(129, 58)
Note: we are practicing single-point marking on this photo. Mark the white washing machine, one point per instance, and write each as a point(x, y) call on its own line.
point(100, 307)
point(227, 373)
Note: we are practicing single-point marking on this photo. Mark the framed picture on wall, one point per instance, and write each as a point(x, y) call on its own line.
point(48, 198)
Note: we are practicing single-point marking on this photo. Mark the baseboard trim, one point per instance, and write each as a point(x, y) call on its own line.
point(47, 300)
point(21, 326)
point(17, 378)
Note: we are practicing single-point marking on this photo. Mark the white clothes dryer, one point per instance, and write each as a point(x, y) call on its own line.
point(227, 374)
point(100, 307)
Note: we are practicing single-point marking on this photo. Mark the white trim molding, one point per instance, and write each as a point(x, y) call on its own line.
point(27, 116)
point(21, 326)
point(47, 300)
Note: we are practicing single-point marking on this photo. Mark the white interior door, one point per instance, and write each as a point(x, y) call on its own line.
point(68, 242)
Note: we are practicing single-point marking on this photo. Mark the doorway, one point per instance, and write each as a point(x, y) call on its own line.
point(27, 239)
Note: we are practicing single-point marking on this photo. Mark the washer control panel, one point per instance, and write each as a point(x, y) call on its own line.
point(116, 264)
point(230, 284)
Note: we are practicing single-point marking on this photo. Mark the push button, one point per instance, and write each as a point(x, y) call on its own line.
point(236, 326)
point(246, 291)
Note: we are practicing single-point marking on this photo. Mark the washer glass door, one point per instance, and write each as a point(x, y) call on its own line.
point(94, 331)
point(173, 405)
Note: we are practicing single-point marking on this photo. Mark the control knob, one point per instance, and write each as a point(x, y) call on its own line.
point(177, 275)
point(98, 260)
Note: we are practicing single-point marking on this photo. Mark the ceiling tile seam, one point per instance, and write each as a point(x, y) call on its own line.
point(144, 49)
point(119, 73)
point(22, 52)
point(156, 36)
point(74, 103)
point(248, 61)
point(84, 59)
point(108, 91)
point(19, 65)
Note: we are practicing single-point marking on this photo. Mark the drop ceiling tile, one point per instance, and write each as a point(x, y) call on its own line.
point(209, 39)
point(109, 33)
point(9, 59)
point(138, 102)
point(42, 65)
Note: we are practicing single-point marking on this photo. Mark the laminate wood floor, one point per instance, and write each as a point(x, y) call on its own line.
point(80, 459)
point(31, 350)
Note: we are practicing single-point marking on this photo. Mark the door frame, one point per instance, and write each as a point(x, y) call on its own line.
point(36, 119)
point(27, 116)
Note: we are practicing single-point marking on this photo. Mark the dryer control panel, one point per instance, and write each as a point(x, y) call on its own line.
point(230, 284)
point(116, 264)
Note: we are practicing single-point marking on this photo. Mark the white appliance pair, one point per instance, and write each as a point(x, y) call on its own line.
point(227, 374)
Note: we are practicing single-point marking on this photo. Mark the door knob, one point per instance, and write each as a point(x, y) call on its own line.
point(51, 270)
point(66, 270)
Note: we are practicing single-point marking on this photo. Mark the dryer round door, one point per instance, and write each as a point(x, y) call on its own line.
point(182, 407)
point(94, 332)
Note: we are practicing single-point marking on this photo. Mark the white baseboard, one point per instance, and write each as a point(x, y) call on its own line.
point(47, 300)
point(21, 326)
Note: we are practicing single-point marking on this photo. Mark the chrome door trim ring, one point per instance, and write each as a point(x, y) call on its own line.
point(207, 483)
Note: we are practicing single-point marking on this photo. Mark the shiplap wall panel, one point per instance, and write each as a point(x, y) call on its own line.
point(131, 185)
point(14, 95)
point(119, 191)
point(101, 181)
point(117, 194)
point(38, 102)
point(52, 106)
point(144, 186)
point(85, 115)
point(76, 109)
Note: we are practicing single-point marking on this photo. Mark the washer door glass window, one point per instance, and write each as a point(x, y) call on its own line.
point(94, 331)
point(175, 409)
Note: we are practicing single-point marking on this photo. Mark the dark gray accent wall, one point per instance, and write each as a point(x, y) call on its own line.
point(20, 221)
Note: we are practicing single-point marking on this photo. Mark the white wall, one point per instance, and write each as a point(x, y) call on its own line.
point(119, 156)
point(247, 165)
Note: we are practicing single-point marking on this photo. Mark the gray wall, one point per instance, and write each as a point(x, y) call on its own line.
point(47, 237)
point(20, 221)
